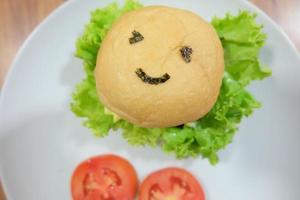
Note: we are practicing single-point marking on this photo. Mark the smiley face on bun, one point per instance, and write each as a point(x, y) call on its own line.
point(160, 67)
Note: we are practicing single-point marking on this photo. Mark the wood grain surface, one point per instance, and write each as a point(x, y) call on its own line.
point(17, 20)
point(19, 17)
point(286, 13)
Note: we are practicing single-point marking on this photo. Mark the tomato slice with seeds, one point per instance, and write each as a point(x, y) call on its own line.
point(106, 177)
point(171, 184)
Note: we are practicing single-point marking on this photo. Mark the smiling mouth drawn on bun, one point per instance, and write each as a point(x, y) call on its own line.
point(186, 56)
point(151, 80)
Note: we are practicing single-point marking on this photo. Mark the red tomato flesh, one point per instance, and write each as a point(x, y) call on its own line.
point(106, 177)
point(171, 184)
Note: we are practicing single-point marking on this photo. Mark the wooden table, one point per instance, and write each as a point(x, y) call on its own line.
point(19, 17)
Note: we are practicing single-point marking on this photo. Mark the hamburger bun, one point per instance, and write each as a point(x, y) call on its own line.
point(176, 45)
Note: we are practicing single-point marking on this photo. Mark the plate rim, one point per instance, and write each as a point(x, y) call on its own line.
point(13, 66)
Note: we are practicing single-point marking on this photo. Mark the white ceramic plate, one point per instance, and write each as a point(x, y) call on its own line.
point(41, 141)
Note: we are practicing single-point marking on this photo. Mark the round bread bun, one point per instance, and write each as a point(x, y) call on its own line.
point(192, 87)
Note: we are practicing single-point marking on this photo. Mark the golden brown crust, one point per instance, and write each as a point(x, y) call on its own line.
point(193, 87)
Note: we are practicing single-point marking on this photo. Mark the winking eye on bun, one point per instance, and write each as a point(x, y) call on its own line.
point(160, 67)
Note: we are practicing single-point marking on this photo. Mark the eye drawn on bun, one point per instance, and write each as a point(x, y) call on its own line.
point(136, 37)
point(186, 53)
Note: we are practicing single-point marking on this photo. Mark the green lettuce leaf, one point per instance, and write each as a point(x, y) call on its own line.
point(241, 38)
point(85, 100)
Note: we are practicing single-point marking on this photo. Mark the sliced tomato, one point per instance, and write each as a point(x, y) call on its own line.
point(105, 177)
point(171, 184)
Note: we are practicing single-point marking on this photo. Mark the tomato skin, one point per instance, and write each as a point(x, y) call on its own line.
point(105, 177)
point(161, 184)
